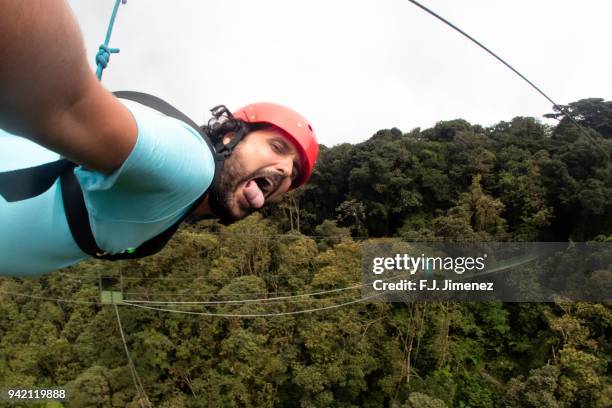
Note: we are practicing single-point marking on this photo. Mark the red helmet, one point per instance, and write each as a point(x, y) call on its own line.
point(297, 129)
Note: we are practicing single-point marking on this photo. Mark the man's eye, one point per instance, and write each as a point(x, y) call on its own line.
point(277, 148)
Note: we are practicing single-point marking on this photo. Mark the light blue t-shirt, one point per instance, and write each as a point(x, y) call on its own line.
point(169, 167)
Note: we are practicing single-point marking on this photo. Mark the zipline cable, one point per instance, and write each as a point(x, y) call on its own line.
point(312, 301)
point(128, 303)
point(273, 302)
point(466, 35)
point(254, 314)
point(259, 300)
point(272, 299)
point(454, 27)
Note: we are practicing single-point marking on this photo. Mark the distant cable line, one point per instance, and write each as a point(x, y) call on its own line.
point(253, 314)
point(135, 376)
point(272, 302)
point(259, 300)
point(555, 105)
point(133, 304)
point(185, 292)
point(445, 21)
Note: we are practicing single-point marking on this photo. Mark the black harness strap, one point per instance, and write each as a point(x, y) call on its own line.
point(17, 185)
point(76, 212)
point(159, 105)
point(21, 184)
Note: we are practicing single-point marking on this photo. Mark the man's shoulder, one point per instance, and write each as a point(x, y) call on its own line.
point(169, 168)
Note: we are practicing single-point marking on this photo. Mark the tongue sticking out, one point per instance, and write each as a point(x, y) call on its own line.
point(253, 194)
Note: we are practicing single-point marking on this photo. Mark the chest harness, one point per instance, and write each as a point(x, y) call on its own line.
point(22, 184)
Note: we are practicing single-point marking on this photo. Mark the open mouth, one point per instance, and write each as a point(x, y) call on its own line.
point(265, 184)
point(258, 189)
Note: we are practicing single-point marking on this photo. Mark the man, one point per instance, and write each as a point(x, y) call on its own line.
point(140, 173)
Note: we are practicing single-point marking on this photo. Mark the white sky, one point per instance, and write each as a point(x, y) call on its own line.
point(353, 67)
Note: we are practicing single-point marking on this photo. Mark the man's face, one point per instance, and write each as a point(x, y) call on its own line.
point(260, 170)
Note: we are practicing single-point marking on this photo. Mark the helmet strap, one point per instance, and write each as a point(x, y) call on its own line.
point(223, 150)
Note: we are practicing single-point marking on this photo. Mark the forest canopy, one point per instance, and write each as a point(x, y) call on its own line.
point(519, 180)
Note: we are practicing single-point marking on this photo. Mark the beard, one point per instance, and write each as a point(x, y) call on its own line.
point(222, 195)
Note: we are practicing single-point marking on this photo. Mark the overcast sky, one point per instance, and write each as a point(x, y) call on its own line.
point(353, 67)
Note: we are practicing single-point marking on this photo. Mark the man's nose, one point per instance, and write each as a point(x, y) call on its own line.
point(285, 166)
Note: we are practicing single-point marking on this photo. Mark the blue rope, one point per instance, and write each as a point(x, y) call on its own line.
point(104, 52)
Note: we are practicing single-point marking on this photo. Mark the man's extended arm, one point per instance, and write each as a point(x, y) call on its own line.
point(48, 93)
